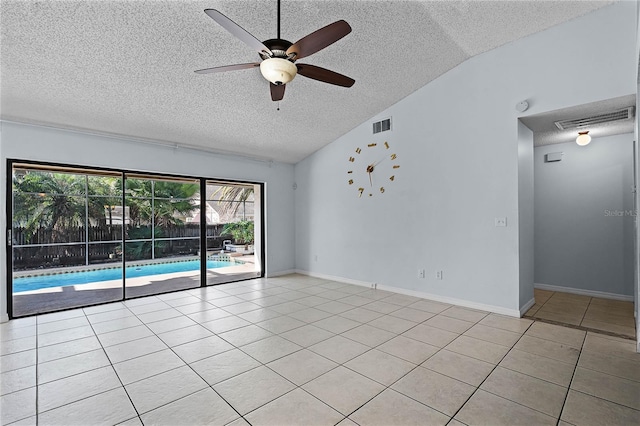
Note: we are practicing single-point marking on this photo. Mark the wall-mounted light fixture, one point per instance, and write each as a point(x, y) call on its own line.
point(583, 138)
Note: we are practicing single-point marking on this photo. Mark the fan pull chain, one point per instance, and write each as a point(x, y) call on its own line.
point(278, 109)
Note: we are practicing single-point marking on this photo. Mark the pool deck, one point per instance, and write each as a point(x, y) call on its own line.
point(58, 298)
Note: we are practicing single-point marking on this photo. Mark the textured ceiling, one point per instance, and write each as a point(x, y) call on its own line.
point(545, 131)
point(126, 67)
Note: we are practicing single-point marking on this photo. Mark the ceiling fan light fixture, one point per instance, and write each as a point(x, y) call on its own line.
point(278, 70)
point(583, 138)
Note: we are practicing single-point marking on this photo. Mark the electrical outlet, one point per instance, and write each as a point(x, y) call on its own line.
point(315, 257)
point(421, 273)
point(501, 221)
point(439, 275)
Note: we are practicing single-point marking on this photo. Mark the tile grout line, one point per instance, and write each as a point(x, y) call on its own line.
point(492, 370)
point(566, 396)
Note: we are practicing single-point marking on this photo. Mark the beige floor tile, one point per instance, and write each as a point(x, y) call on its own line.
point(581, 409)
point(17, 360)
point(245, 335)
point(460, 367)
point(437, 391)
point(368, 335)
point(516, 325)
point(61, 350)
point(380, 366)
point(570, 297)
point(526, 390)
point(362, 315)
point(218, 368)
point(415, 315)
point(542, 295)
point(610, 317)
point(252, 389)
point(339, 349)
point(343, 390)
point(478, 349)
point(609, 364)
point(408, 349)
point(484, 408)
point(431, 335)
point(70, 389)
point(557, 333)
point(392, 408)
point(307, 335)
point(295, 408)
point(337, 324)
point(493, 335)
point(270, 349)
point(430, 306)
point(201, 348)
point(451, 324)
point(470, 315)
point(16, 380)
point(184, 335)
point(146, 366)
point(111, 407)
point(302, 366)
point(310, 315)
point(566, 318)
point(392, 324)
point(612, 388)
point(609, 327)
point(17, 406)
point(532, 310)
point(611, 346)
point(548, 348)
point(548, 369)
point(71, 365)
point(204, 407)
point(280, 324)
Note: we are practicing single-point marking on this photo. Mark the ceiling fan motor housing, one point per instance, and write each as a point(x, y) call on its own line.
point(277, 68)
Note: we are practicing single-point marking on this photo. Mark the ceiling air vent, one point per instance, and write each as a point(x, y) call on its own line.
point(578, 123)
point(382, 126)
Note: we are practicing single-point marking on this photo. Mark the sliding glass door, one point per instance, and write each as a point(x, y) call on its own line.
point(162, 247)
point(66, 239)
point(233, 232)
point(82, 237)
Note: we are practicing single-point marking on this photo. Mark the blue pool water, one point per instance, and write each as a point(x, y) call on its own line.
point(72, 278)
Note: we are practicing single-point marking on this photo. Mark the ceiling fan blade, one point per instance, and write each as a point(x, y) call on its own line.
point(324, 75)
point(277, 92)
point(319, 39)
point(228, 68)
point(237, 30)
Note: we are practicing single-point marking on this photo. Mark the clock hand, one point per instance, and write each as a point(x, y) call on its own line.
point(370, 181)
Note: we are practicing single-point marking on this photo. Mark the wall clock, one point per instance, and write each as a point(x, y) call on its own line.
point(372, 168)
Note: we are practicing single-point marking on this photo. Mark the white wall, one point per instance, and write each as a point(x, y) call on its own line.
point(44, 144)
point(457, 144)
point(584, 222)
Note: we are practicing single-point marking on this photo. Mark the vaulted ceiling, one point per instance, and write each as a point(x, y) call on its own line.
point(126, 67)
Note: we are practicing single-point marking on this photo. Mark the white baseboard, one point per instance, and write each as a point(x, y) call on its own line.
point(4, 318)
point(527, 306)
point(280, 273)
point(591, 293)
point(420, 294)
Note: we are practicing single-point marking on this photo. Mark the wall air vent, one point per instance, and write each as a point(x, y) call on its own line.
point(608, 117)
point(382, 126)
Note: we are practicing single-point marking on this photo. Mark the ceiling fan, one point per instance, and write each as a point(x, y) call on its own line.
point(278, 55)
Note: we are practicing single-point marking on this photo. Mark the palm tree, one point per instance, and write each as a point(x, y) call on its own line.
point(233, 197)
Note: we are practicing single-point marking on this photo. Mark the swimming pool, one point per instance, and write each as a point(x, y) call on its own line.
point(37, 282)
